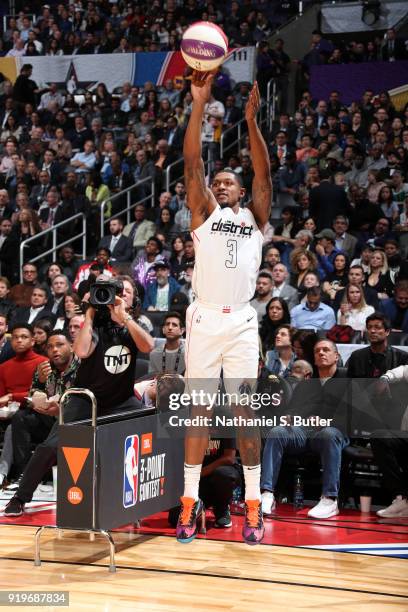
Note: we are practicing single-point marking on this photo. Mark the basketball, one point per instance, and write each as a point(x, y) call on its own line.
point(204, 46)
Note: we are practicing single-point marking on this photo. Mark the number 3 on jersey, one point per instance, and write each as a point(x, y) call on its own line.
point(231, 261)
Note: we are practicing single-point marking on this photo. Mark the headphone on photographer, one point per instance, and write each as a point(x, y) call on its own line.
point(136, 303)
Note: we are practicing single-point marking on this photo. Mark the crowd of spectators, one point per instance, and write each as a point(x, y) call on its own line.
point(335, 259)
point(89, 27)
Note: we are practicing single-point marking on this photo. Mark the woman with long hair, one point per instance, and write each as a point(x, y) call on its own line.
point(54, 48)
point(165, 224)
point(102, 96)
point(277, 313)
point(373, 128)
point(165, 110)
point(280, 359)
point(387, 204)
point(354, 309)
point(337, 280)
point(26, 226)
point(303, 342)
point(41, 331)
point(310, 225)
point(71, 307)
point(177, 261)
point(302, 261)
point(374, 186)
point(378, 276)
point(151, 105)
point(51, 271)
point(11, 130)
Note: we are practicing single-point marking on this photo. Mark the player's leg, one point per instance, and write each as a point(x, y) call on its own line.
point(203, 368)
point(240, 365)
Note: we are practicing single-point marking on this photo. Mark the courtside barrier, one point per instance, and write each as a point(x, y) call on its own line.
point(113, 471)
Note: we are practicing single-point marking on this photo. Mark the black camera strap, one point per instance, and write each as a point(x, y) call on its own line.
point(164, 359)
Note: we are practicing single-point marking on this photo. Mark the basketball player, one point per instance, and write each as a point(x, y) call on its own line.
point(222, 327)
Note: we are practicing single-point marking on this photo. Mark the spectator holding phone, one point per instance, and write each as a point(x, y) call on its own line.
point(353, 309)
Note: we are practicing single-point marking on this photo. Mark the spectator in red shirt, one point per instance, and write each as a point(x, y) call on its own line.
point(17, 373)
point(16, 376)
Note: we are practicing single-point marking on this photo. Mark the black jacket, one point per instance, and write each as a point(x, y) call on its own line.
point(123, 250)
point(328, 401)
point(363, 363)
point(326, 202)
point(23, 314)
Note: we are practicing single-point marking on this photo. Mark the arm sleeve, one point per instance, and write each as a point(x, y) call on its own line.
point(397, 374)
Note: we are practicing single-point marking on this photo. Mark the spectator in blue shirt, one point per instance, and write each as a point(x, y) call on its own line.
point(313, 314)
point(85, 161)
point(159, 293)
point(280, 360)
point(326, 252)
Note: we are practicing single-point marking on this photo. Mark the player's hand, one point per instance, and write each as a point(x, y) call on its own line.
point(253, 104)
point(381, 386)
point(201, 83)
point(118, 310)
point(44, 370)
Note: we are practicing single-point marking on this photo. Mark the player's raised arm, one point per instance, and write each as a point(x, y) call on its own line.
point(200, 199)
point(262, 183)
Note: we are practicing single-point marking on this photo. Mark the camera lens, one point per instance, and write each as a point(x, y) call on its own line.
point(102, 295)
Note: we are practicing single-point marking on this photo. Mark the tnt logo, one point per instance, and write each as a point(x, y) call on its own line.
point(147, 444)
point(130, 472)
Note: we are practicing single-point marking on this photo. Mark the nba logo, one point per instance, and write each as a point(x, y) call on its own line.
point(130, 472)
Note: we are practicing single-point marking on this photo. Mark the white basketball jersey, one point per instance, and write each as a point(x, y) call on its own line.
point(228, 249)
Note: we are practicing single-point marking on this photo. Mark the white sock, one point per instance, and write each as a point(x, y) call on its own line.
point(252, 476)
point(192, 475)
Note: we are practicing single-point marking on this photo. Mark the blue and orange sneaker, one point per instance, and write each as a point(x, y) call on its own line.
point(191, 510)
point(253, 530)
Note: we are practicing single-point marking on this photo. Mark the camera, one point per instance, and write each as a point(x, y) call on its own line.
point(104, 292)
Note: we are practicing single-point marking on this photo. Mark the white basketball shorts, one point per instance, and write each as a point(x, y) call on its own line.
point(221, 338)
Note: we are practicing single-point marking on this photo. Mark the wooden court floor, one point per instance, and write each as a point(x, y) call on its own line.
point(157, 573)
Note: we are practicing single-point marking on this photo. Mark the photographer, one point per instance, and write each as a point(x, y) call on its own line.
point(108, 344)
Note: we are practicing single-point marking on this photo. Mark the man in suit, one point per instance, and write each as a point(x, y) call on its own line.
point(140, 230)
point(39, 192)
point(396, 308)
point(174, 135)
point(326, 202)
point(37, 309)
point(6, 209)
point(232, 113)
point(119, 245)
point(394, 48)
point(50, 165)
point(53, 213)
point(9, 251)
point(60, 287)
point(344, 241)
point(281, 147)
point(281, 288)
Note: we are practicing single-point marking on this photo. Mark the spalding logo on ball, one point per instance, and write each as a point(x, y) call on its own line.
point(204, 46)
